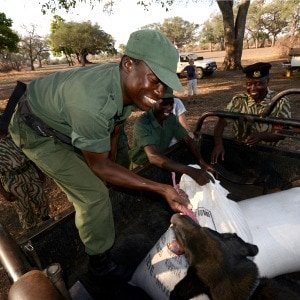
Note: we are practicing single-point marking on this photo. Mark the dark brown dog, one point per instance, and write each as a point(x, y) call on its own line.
point(220, 267)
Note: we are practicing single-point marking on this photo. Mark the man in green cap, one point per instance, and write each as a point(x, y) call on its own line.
point(254, 101)
point(67, 124)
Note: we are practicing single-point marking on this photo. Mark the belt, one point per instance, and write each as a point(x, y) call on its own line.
point(39, 126)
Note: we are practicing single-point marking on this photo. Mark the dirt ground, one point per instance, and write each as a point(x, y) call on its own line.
point(214, 93)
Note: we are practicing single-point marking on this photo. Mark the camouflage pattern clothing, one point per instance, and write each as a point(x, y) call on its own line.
point(243, 103)
point(20, 177)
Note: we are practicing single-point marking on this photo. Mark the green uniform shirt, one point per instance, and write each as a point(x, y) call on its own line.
point(86, 111)
point(243, 103)
point(147, 131)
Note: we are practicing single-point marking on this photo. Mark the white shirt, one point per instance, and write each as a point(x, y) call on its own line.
point(178, 109)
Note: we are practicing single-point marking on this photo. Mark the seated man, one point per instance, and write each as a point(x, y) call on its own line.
point(254, 101)
point(152, 134)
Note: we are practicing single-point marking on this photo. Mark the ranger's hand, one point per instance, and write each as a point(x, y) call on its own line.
point(201, 176)
point(254, 138)
point(176, 199)
point(218, 152)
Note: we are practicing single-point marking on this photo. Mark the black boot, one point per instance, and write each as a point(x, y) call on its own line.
point(102, 265)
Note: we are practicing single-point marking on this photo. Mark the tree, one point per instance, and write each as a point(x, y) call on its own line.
point(8, 44)
point(178, 31)
point(57, 48)
point(212, 31)
point(81, 39)
point(234, 29)
point(274, 21)
point(292, 13)
point(254, 23)
point(42, 50)
point(8, 39)
point(32, 45)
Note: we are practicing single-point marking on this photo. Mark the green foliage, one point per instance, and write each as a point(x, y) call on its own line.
point(80, 39)
point(8, 39)
point(269, 19)
point(54, 5)
point(213, 31)
point(178, 31)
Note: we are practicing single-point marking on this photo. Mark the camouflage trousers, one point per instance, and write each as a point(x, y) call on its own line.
point(31, 204)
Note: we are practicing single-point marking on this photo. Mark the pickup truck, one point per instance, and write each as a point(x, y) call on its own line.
point(205, 67)
point(142, 217)
point(293, 64)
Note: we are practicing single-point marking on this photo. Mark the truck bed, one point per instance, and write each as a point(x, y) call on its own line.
point(142, 217)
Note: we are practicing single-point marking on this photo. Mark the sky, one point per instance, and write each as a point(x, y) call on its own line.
point(127, 16)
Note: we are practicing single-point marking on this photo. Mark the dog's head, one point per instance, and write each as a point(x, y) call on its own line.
point(209, 252)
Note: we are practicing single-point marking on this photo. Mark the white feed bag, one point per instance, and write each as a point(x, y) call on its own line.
point(274, 221)
point(161, 269)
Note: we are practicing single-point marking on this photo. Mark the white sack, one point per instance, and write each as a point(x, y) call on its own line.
point(159, 272)
point(274, 221)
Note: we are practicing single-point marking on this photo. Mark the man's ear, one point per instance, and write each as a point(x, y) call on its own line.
point(127, 64)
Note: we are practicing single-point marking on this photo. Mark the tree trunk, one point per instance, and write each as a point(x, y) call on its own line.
point(84, 55)
point(273, 41)
point(31, 64)
point(82, 60)
point(234, 31)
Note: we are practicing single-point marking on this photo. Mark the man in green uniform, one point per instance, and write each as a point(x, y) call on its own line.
point(254, 101)
point(152, 134)
point(81, 107)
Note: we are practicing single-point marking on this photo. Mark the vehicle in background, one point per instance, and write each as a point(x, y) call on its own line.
point(205, 67)
point(293, 64)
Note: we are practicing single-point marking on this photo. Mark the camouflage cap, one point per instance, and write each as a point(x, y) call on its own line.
point(257, 70)
point(160, 55)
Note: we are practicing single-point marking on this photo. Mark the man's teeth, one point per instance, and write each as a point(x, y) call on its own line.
point(150, 100)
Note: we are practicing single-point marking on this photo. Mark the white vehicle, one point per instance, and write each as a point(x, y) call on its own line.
point(205, 67)
point(293, 64)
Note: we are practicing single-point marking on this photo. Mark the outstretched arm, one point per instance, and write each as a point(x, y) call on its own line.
point(117, 175)
point(182, 120)
point(218, 150)
point(162, 161)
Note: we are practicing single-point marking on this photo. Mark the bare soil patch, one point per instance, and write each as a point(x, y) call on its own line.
point(214, 93)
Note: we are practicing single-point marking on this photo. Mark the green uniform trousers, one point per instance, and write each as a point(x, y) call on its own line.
point(67, 167)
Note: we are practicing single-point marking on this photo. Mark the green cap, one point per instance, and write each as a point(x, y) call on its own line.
point(158, 53)
point(168, 93)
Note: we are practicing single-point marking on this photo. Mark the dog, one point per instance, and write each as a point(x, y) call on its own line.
point(220, 267)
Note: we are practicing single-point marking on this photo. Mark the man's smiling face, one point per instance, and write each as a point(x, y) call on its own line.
point(163, 108)
point(257, 88)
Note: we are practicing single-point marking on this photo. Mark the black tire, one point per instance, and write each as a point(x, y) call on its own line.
point(200, 73)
